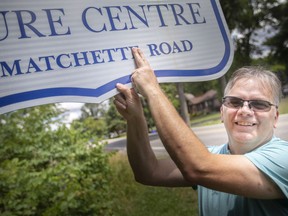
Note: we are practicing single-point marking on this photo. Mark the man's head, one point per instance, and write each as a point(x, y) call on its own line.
point(249, 109)
point(266, 78)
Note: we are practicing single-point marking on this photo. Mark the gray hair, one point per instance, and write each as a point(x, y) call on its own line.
point(266, 77)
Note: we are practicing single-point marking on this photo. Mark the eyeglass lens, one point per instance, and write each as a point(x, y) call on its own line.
point(256, 105)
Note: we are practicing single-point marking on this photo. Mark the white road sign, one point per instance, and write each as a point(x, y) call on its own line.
point(76, 51)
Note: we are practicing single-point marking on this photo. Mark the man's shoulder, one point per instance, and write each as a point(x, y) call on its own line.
point(275, 148)
point(273, 145)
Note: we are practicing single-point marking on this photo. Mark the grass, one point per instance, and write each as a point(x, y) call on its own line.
point(209, 119)
point(136, 200)
point(283, 108)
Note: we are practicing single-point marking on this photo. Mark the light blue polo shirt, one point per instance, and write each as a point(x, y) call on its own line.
point(271, 159)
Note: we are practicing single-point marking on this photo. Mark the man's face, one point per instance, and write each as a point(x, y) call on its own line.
point(248, 129)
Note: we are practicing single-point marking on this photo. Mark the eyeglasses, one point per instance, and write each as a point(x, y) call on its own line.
point(255, 105)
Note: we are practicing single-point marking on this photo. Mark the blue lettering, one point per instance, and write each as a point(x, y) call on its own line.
point(179, 14)
point(187, 45)
point(153, 50)
point(196, 12)
point(5, 26)
point(59, 62)
point(176, 48)
point(167, 48)
point(162, 47)
point(115, 17)
point(122, 50)
point(86, 24)
point(33, 65)
point(158, 8)
point(28, 24)
point(96, 57)
point(10, 70)
point(77, 58)
point(47, 62)
point(109, 54)
point(143, 20)
point(59, 21)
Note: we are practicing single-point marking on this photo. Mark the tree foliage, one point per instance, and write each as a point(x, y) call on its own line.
point(250, 24)
point(115, 122)
point(91, 128)
point(48, 169)
point(92, 123)
point(279, 42)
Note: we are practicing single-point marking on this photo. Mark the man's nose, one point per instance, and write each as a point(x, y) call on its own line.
point(246, 108)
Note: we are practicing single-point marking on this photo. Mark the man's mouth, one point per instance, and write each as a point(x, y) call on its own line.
point(240, 123)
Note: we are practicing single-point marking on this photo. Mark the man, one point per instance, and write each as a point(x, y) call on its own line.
point(247, 176)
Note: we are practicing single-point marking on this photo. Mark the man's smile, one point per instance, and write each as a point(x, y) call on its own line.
point(244, 123)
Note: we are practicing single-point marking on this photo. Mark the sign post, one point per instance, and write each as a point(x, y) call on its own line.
point(76, 51)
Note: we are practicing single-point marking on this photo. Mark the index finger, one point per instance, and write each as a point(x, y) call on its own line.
point(140, 59)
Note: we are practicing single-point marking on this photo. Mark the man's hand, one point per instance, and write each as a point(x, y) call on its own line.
point(143, 77)
point(144, 81)
point(128, 102)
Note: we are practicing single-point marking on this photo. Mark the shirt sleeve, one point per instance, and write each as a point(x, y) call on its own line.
point(272, 160)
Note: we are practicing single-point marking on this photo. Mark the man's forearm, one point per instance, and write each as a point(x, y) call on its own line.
point(181, 143)
point(140, 154)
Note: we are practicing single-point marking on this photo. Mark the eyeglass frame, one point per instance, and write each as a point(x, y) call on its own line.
point(249, 104)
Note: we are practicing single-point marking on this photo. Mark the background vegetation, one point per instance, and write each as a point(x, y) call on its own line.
point(49, 168)
point(45, 171)
point(135, 199)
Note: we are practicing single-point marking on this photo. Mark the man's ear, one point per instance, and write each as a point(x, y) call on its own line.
point(276, 119)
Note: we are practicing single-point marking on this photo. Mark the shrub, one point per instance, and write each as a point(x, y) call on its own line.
point(48, 171)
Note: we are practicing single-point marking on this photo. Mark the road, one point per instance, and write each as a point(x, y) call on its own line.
point(209, 135)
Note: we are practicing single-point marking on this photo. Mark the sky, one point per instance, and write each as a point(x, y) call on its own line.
point(73, 111)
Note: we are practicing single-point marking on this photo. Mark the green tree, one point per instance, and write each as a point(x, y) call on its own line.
point(49, 169)
point(91, 128)
point(92, 121)
point(170, 90)
point(115, 122)
point(246, 18)
point(279, 42)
